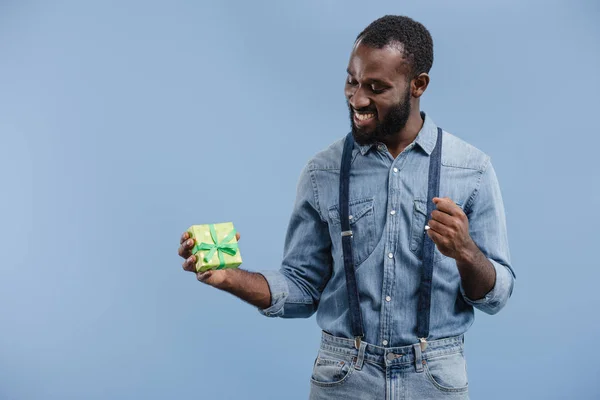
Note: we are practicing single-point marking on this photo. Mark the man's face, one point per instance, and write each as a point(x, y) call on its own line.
point(378, 93)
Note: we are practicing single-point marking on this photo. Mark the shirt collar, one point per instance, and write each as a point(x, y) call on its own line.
point(426, 138)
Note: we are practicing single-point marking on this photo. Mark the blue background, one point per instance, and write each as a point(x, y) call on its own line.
point(124, 122)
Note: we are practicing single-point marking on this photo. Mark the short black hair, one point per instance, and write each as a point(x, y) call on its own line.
point(396, 29)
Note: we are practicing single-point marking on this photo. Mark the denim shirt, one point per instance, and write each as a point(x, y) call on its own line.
point(388, 217)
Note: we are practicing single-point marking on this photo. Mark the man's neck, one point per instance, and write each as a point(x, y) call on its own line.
point(407, 135)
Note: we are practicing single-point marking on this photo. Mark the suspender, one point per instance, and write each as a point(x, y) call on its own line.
point(424, 303)
point(433, 190)
point(353, 301)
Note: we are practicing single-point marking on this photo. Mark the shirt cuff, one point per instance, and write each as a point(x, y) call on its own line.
point(279, 292)
point(496, 298)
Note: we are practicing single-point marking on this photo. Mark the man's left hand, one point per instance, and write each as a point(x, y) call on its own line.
point(449, 230)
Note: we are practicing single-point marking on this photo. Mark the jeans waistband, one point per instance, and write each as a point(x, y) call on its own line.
point(392, 355)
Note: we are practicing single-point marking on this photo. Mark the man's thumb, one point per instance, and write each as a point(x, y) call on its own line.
point(203, 276)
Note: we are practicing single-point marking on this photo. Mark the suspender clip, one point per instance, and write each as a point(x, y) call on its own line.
point(357, 340)
point(423, 343)
point(346, 233)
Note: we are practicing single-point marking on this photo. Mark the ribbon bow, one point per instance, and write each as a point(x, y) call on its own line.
point(219, 247)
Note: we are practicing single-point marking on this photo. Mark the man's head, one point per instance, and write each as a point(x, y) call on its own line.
point(387, 73)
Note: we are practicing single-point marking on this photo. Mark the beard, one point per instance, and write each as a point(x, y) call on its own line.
point(393, 123)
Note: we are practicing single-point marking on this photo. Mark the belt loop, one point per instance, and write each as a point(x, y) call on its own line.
point(418, 357)
point(361, 356)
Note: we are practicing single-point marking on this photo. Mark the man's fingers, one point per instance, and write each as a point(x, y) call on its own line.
point(184, 237)
point(442, 218)
point(438, 228)
point(185, 250)
point(446, 205)
point(237, 236)
point(190, 264)
point(186, 245)
point(436, 237)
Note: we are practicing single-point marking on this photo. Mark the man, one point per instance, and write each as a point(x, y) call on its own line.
point(397, 232)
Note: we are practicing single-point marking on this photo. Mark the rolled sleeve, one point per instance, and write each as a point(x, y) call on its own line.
point(496, 298)
point(307, 262)
point(487, 226)
point(279, 292)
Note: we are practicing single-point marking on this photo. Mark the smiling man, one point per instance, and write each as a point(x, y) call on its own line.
point(397, 234)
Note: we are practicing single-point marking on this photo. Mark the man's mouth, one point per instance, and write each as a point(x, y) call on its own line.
point(363, 118)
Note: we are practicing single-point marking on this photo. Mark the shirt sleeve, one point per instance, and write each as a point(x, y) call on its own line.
point(487, 226)
point(307, 262)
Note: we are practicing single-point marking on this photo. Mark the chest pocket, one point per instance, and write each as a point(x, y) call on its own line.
point(417, 230)
point(362, 224)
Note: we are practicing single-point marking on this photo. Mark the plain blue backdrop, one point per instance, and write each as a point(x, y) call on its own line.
point(124, 122)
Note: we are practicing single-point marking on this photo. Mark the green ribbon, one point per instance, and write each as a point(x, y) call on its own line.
point(219, 247)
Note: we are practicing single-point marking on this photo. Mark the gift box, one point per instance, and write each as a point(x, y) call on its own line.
point(215, 246)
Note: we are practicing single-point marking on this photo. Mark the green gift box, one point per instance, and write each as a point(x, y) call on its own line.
point(215, 246)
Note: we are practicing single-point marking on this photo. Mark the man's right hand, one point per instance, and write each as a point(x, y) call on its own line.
point(251, 287)
point(215, 278)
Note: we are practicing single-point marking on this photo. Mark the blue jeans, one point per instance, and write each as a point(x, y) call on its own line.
point(373, 372)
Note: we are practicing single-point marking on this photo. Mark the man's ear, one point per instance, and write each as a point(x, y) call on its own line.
point(419, 85)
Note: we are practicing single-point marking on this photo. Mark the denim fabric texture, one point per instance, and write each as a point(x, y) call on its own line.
point(388, 207)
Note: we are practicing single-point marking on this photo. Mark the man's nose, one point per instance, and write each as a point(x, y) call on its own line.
point(358, 100)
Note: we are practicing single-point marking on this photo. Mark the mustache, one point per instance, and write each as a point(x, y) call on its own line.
point(361, 110)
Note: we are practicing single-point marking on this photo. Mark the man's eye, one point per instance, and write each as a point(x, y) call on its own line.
point(377, 90)
point(351, 81)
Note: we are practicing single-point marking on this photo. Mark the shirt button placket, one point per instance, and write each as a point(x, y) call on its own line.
point(389, 268)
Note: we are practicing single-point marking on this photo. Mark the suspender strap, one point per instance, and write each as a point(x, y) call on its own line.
point(352, 288)
point(433, 190)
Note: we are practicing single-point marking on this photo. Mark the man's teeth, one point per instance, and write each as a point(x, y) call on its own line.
point(364, 117)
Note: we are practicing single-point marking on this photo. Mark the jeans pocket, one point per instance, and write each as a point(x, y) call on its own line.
point(448, 372)
point(331, 370)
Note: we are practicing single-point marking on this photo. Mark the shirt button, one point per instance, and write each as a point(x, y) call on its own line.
point(388, 298)
point(395, 169)
point(350, 217)
point(385, 343)
point(390, 255)
point(393, 212)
